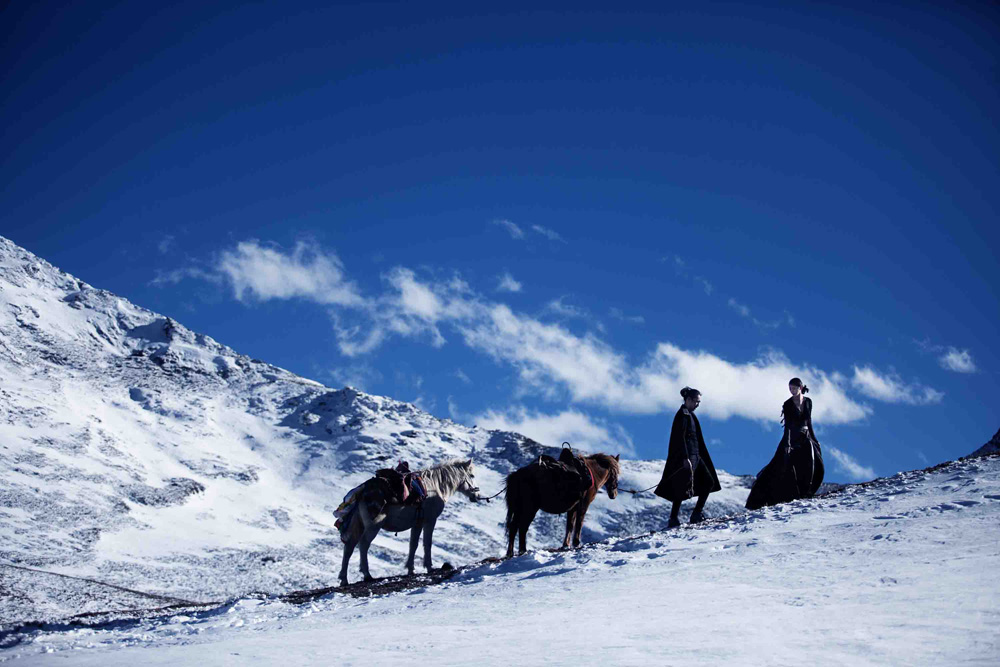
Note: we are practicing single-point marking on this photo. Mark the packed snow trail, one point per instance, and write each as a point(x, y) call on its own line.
point(901, 571)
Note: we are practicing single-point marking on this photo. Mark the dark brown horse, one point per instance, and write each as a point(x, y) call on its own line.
point(554, 488)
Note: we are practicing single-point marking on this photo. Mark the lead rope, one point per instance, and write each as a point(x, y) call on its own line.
point(634, 492)
point(493, 496)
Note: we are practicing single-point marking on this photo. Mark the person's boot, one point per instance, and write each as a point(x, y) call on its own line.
point(696, 516)
point(673, 523)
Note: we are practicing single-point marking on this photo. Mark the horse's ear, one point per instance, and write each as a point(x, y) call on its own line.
point(617, 457)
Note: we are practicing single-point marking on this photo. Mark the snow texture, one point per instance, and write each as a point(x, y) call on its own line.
point(147, 466)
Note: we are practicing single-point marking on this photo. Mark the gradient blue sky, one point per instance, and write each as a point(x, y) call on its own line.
point(716, 196)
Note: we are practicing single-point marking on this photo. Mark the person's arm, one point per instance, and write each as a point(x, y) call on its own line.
point(809, 420)
point(677, 433)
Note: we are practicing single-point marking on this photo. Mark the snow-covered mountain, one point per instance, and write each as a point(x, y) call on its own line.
point(140, 454)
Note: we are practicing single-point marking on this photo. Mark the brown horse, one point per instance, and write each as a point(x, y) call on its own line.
point(555, 489)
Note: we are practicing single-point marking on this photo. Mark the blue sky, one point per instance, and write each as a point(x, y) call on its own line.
point(545, 219)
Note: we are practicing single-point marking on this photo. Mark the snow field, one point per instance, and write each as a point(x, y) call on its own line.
point(903, 571)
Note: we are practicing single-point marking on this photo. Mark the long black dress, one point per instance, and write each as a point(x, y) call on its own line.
point(689, 470)
point(796, 471)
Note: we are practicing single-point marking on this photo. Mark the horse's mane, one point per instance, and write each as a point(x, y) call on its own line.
point(606, 461)
point(448, 474)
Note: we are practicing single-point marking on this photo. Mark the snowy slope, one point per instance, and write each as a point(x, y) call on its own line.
point(138, 453)
point(900, 571)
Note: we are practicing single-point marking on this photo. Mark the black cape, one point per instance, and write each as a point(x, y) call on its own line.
point(796, 470)
point(689, 471)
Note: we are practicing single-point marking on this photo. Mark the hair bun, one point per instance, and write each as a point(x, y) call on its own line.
point(805, 389)
point(685, 391)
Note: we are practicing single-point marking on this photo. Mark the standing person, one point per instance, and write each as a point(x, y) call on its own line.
point(689, 471)
point(796, 470)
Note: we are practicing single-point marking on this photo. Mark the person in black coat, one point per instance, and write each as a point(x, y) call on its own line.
point(689, 471)
point(796, 470)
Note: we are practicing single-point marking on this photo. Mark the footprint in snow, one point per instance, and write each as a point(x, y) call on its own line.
point(992, 496)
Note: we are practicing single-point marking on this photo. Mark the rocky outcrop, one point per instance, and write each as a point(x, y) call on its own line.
point(991, 447)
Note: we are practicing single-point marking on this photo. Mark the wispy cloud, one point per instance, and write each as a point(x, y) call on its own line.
point(563, 309)
point(165, 244)
point(849, 465)
point(461, 375)
point(705, 285)
point(508, 284)
point(512, 229)
point(550, 234)
point(164, 278)
point(949, 358)
point(360, 376)
point(618, 314)
point(578, 428)
point(889, 387)
point(549, 359)
point(959, 361)
point(263, 273)
point(743, 310)
point(766, 325)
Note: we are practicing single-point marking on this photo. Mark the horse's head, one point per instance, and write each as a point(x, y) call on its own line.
point(468, 483)
point(611, 485)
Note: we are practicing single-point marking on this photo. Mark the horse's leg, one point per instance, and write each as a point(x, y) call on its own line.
point(348, 550)
point(526, 519)
point(513, 521)
point(581, 512)
point(355, 530)
point(414, 540)
point(428, 537)
point(570, 520)
point(370, 531)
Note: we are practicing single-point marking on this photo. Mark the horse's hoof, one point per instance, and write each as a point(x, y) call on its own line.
point(369, 578)
point(343, 583)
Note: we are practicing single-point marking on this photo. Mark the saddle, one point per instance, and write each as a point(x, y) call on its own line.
point(570, 470)
point(389, 486)
point(400, 487)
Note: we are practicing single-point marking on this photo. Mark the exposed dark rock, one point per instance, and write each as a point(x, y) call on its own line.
point(174, 493)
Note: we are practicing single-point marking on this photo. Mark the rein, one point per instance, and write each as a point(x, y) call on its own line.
point(634, 492)
point(493, 496)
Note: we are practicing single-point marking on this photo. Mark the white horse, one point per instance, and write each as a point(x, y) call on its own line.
point(440, 482)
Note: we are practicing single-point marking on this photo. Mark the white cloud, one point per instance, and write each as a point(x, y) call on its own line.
point(508, 284)
point(705, 285)
point(266, 273)
point(891, 388)
point(550, 234)
point(848, 465)
point(552, 361)
point(957, 360)
point(560, 307)
point(618, 314)
point(414, 297)
point(512, 229)
point(579, 429)
point(177, 275)
point(460, 374)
